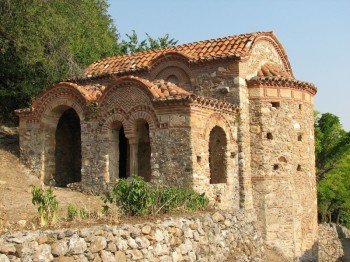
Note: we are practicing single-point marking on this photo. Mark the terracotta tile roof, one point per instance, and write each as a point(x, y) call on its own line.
point(232, 46)
point(272, 70)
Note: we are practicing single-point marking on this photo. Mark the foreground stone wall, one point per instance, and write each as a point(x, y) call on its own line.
point(216, 236)
point(330, 246)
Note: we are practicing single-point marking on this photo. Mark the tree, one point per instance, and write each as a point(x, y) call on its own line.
point(47, 41)
point(132, 43)
point(42, 42)
point(332, 143)
point(332, 147)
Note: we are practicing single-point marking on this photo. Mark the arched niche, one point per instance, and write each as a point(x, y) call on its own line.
point(218, 155)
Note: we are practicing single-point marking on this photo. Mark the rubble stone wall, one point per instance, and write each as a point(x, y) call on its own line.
point(216, 236)
point(283, 167)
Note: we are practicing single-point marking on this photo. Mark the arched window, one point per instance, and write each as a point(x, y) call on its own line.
point(143, 150)
point(173, 79)
point(67, 149)
point(217, 155)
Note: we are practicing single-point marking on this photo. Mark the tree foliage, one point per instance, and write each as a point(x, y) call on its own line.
point(333, 169)
point(332, 143)
point(132, 44)
point(42, 42)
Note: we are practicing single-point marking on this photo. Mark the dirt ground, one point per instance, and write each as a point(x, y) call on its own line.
point(15, 181)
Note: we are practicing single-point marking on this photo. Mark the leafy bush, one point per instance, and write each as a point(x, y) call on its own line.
point(75, 213)
point(47, 205)
point(136, 197)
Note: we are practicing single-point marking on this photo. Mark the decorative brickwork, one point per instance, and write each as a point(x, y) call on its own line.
point(224, 116)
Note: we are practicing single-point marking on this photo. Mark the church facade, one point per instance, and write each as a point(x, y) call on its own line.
point(224, 116)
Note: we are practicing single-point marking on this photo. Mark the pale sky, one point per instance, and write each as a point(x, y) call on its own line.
point(315, 34)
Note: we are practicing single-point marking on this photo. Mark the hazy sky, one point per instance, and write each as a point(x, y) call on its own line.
point(315, 34)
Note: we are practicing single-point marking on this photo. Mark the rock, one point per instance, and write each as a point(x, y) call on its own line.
point(66, 259)
point(7, 249)
point(122, 244)
point(146, 230)
point(176, 256)
point(120, 256)
point(97, 244)
point(77, 245)
point(132, 243)
point(111, 247)
point(107, 256)
point(26, 248)
point(4, 258)
point(59, 248)
point(42, 239)
point(159, 236)
point(217, 217)
point(43, 253)
point(22, 223)
point(136, 254)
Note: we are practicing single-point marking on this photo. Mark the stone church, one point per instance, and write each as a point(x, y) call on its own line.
point(224, 116)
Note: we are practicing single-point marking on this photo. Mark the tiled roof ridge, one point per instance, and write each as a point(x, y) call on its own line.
point(282, 81)
point(257, 33)
point(235, 46)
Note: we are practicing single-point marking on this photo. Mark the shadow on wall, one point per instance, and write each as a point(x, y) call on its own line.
point(311, 255)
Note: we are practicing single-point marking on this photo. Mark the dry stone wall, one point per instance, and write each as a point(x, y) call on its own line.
point(206, 237)
point(330, 246)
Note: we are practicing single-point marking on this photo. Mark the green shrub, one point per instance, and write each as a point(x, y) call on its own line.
point(72, 212)
point(47, 205)
point(75, 213)
point(136, 197)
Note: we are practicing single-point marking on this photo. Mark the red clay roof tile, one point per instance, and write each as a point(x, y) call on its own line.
point(238, 45)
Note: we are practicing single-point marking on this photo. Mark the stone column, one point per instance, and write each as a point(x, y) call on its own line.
point(244, 155)
point(133, 142)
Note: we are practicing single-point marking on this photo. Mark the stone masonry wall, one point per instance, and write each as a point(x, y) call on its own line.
point(283, 168)
point(208, 237)
point(225, 194)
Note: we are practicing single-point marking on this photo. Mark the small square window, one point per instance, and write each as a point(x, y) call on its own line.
point(276, 104)
point(275, 167)
point(269, 136)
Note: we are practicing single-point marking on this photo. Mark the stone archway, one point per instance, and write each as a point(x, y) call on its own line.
point(67, 149)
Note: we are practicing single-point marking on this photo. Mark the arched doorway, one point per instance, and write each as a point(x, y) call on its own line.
point(119, 153)
point(143, 150)
point(68, 149)
point(217, 156)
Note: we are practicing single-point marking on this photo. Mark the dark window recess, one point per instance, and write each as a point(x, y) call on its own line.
point(299, 168)
point(300, 137)
point(275, 167)
point(269, 136)
point(300, 106)
point(276, 104)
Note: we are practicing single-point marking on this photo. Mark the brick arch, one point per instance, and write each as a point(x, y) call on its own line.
point(217, 119)
point(126, 81)
point(272, 39)
point(59, 96)
point(108, 122)
point(147, 116)
point(172, 64)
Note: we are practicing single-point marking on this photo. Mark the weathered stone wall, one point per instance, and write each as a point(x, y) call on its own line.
point(224, 194)
point(283, 169)
point(206, 237)
point(330, 248)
